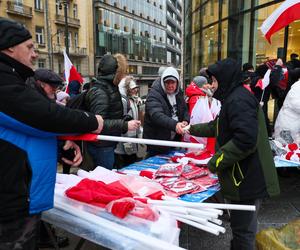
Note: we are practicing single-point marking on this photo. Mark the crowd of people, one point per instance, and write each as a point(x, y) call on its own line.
point(225, 108)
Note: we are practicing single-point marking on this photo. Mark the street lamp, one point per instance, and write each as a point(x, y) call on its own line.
point(65, 3)
point(51, 46)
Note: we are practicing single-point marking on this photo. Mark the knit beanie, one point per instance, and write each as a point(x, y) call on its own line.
point(200, 81)
point(108, 65)
point(12, 33)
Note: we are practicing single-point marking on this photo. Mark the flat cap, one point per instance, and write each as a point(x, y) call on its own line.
point(48, 76)
point(12, 33)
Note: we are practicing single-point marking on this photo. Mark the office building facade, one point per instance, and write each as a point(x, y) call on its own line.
point(136, 29)
point(216, 29)
point(174, 32)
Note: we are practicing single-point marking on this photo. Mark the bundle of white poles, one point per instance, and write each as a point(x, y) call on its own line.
point(203, 216)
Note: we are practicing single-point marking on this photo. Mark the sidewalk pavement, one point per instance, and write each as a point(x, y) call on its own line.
point(274, 212)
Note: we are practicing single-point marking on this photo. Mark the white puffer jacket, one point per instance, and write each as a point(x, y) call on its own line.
point(288, 119)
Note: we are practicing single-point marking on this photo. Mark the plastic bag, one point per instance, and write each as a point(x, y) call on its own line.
point(284, 238)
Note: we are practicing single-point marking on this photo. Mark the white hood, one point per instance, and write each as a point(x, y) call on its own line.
point(170, 71)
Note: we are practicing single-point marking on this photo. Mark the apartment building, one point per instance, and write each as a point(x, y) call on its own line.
point(47, 23)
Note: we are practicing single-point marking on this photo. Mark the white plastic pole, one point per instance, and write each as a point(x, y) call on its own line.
point(186, 210)
point(150, 141)
point(216, 221)
point(197, 225)
point(204, 205)
point(193, 218)
point(114, 227)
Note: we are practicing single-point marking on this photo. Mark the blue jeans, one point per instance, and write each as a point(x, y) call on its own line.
point(102, 156)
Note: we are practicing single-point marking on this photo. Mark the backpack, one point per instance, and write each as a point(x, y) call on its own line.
point(77, 101)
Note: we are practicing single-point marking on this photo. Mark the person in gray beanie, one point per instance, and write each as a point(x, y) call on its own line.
point(30, 124)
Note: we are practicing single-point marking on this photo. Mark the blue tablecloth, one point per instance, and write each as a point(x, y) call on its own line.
point(155, 162)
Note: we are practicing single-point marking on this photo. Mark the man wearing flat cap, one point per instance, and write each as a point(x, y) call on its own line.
point(47, 82)
point(166, 112)
point(29, 124)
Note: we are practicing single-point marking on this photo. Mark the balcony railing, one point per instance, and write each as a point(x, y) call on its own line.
point(74, 51)
point(19, 9)
point(71, 21)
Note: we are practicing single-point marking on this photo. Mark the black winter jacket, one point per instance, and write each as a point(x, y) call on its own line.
point(25, 104)
point(158, 122)
point(104, 99)
point(243, 158)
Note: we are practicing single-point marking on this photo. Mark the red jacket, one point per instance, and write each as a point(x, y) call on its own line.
point(193, 92)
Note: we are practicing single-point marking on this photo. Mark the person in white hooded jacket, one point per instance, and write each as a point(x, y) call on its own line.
point(126, 153)
point(287, 126)
point(166, 113)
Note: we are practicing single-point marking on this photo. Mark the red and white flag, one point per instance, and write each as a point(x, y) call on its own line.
point(70, 71)
point(263, 83)
point(286, 13)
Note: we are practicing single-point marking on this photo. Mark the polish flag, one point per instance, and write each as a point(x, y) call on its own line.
point(286, 13)
point(263, 83)
point(70, 71)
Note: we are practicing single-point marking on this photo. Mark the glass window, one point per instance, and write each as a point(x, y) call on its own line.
point(210, 12)
point(294, 39)
point(264, 50)
point(196, 53)
point(259, 2)
point(70, 39)
point(39, 35)
point(224, 39)
point(75, 11)
point(210, 45)
point(41, 63)
point(38, 5)
point(76, 40)
point(195, 4)
point(195, 21)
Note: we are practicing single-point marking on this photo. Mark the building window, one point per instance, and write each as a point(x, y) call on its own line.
point(41, 63)
point(58, 36)
point(19, 2)
point(38, 4)
point(70, 39)
point(39, 35)
point(76, 40)
point(75, 11)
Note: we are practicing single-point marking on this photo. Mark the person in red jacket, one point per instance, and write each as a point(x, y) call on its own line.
point(202, 108)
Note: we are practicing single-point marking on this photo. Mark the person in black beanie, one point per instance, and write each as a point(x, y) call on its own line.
point(29, 124)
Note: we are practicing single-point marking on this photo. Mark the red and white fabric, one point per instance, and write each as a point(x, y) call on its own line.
point(203, 112)
point(286, 13)
point(71, 72)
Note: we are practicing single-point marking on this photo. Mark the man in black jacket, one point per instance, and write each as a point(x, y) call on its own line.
point(28, 127)
point(166, 112)
point(104, 99)
point(243, 158)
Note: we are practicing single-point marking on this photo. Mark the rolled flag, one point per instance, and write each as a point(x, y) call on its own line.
point(286, 13)
point(263, 83)
point(70, 72)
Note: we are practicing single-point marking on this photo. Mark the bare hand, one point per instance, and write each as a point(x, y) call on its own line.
point(179, 127)
point(78, 156)
point(100, 124)
point(279, 62)
point(133, 125)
